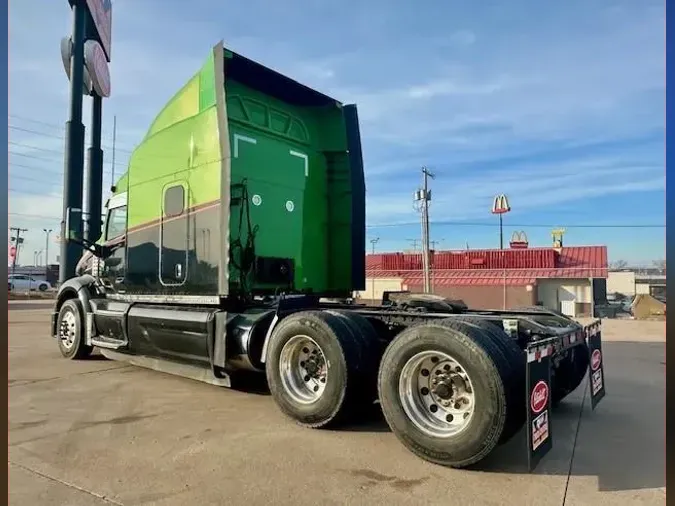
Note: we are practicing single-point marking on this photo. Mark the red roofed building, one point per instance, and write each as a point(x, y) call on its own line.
point(571, 279)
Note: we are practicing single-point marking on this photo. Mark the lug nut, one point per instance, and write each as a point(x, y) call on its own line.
point(425, 372)
point(449, 418)
point(446, 367)
point(316, 388)
point(433, 408)
point(434, 359)
point(305, 350)
point(306, 378)
point(425, 391)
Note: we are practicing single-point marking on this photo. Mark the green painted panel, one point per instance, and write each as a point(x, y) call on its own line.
point(292, 160)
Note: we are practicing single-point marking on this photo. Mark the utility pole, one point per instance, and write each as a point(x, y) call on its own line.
point(414, 243)
point(373, 242)
point(47, 232)
point(434, 243)
point(17, 241)
point(423, 196)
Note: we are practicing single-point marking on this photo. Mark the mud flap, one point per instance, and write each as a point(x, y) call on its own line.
point(596, 369)
point(538, 426)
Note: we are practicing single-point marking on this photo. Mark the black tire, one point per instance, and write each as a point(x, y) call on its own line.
point(343, 354)
point(365, 333)
point(72, 310)
point(42, 287)
point(570, 373)
point(488, 371)
point(517, 364)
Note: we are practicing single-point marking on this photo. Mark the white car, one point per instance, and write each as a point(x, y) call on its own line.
point(23, 282)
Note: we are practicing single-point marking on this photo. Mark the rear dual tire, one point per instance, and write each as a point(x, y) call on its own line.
point(481, 359)
point(317, 366)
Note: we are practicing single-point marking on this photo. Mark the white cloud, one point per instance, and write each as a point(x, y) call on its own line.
point(498, 85)
point(530, 187)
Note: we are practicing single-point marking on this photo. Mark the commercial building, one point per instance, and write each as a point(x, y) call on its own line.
point(569, 279)
point(631, 282)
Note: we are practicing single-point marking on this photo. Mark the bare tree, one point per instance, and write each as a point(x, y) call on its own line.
point(619, 264)
point(659, 264)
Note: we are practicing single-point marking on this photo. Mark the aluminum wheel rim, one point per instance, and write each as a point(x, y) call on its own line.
point(437, 394)
point(303, 369)
point(67, 330)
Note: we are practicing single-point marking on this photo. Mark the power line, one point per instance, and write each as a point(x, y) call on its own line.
point(35, 216)
point(54, 136)
point(26, 178)
point(523, 225)
point(36, 148)
point(39, 122)
point(28, 155)
point(34, 193)
point(40, 169)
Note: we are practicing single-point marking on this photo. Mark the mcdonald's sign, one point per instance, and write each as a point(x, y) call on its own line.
point(500, 205)
point(519, 240)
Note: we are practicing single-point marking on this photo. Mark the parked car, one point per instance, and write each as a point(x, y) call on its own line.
point(23, 282)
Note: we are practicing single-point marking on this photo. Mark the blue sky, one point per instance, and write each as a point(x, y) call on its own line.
point(558, 105)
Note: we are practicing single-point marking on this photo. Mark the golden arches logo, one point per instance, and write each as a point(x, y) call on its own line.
point(500, 204)
point(519, 237)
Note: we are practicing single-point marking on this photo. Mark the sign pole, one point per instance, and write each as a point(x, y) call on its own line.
point(501, 232)
point(95, 171)
point(74, 152)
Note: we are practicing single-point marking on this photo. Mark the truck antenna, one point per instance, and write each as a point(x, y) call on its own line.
point(112, 182)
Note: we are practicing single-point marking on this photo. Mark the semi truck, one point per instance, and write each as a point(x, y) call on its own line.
point(233, 243)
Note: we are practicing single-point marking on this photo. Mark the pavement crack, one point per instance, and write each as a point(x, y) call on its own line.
point(67, 484)
point(20, 383)
point(574, 444)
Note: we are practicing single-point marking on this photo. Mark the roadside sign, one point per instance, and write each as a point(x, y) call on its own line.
point(66, 57)
point(97, 66)
point(101, 15)
point(100, 26)
point(500, 204)
point(596, 368)
point(538, 381)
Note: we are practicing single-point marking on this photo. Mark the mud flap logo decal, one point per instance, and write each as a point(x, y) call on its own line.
point(539, 397)
point(539, 430)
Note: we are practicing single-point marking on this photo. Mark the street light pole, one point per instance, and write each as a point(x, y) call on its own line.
point(373, 242)
point(47, 232)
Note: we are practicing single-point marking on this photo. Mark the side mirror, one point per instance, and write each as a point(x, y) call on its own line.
point(73, 228)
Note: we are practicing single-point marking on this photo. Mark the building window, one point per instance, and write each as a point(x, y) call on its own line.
point(174, 201)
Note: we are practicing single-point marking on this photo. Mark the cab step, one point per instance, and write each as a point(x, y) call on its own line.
point(108, 342)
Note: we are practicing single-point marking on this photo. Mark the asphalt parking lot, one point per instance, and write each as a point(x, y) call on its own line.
point(99, 432)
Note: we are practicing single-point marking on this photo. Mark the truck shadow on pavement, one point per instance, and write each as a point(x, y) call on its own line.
point(622, 442)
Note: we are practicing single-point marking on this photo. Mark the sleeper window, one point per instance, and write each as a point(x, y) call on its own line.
point(174, 201)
